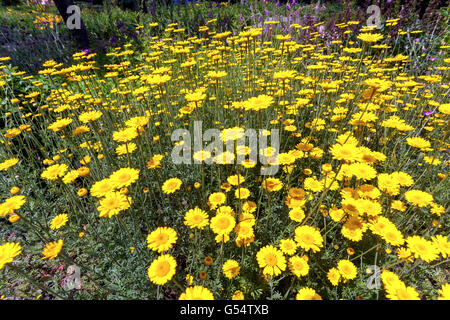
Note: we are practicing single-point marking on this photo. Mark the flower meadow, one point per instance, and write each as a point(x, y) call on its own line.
point(356, 210)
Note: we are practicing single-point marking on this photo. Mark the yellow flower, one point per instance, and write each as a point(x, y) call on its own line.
point(8, 252)
point(362, 171)
point(54, 172)
point(216, 199)
point(418, 198)
point(82, 192)
point(405, 255)
point(83, 171)
point(271, 260)
point(334, 276)
point(113, 203)
point(393, 236)
point(80, 130)
point(444, 108)
point(11, 204)
point(307, 294)
point(298, 266)
point(124, 177)
point(126, 148)
point(59, 221)
point(314, 185)
point(403, 178)
point(370, 37)
point(231, 269)
point(242, 193)
point(197, 293)
point(222, 224)
point(388, 184)
point(102, 188)
point(155, 161)
point(5, 165)
point(399, 291)
point(162, 269)
point(345, 152)
point(162, 239)
point(171, 185)
point(14, 218)
point(125, 135)
point(347, 269)
point(70, 176)
point(308, 238)
point(236, 179)
point(196, 218)
point(422, 248)
point(260, 102)
point(238, 295)
point(444, 292)
point(418, 142)
point(201, 155)
point(443, 245)
point(297, 214)
point(89, 116)
point(52, 249)
point(59, 125)
point(288, 246)
point(272, 184)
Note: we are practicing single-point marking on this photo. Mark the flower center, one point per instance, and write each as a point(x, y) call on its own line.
point(271, 259)
point(162, 269)
point(162, 238)
point(223, 223)
point(308, 239)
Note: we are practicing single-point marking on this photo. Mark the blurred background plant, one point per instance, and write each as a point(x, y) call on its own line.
point(32, 31)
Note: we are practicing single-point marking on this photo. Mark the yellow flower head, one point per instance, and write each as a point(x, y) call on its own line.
point(197, 293)
point(59, 221)
point(271, 260)
point(171, 185)
point(8, 252)
point(52, 249)
point(162, 239)
point(162, 269)
point(308, 238)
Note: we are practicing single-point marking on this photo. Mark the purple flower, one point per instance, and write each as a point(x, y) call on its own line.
point(277, 4)
point(266, 12)
point(86, 52)
point(288, 7)
point(427, 113)
point(432, 58)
